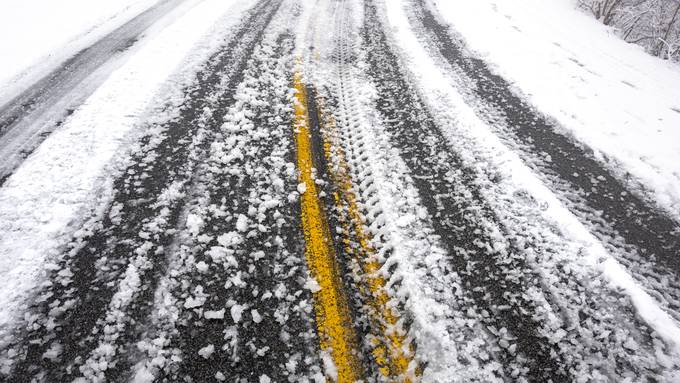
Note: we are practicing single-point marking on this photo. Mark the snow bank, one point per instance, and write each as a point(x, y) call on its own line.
point(614, 97)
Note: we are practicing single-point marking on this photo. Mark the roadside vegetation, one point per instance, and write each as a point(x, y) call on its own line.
point(653, 24)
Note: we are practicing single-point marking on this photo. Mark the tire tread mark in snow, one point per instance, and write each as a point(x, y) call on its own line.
point(642, 225)
point(384, 326)
point(91, 269)
point(334, 321)
point(493, 278)
point(335, 217)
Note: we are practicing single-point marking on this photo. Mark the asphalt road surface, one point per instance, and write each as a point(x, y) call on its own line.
point(308, 212)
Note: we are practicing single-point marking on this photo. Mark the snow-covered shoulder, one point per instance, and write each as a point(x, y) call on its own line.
point(608, 94)
point(45, 33)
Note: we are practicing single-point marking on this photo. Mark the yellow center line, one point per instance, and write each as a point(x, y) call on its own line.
point(333, 319)
point(394, 353)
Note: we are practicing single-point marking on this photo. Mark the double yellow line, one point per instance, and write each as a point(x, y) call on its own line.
point(392, 352)
point(333, 319)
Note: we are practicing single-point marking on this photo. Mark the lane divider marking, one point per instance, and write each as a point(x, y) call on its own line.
point(333, 319)
point(394, 353)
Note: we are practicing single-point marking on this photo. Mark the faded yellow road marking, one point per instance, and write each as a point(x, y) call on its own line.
point(393, 353)
point(333, 319)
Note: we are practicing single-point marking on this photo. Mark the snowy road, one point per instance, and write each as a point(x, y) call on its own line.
point(29, 117)
point(339, 190)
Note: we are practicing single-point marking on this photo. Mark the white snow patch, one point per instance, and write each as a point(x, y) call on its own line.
point(217, 314)
point(194, 224)
point(291, 365)
point(206, 351)
point(143, 375)
point(257, 318)
point(329, 366)
point(236, 312)
point(242, 223)
point(53, 352)
point(202, 267)
point(230, 239)
point(312, 285)
point(192, 302)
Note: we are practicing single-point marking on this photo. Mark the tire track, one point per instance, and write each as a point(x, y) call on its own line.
point(98, 289)
point(424, 288)
point(646, 240)
point(493, 276)
point(389, 352)
point(256, 274)
point(597, 331)
point(235, 306)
